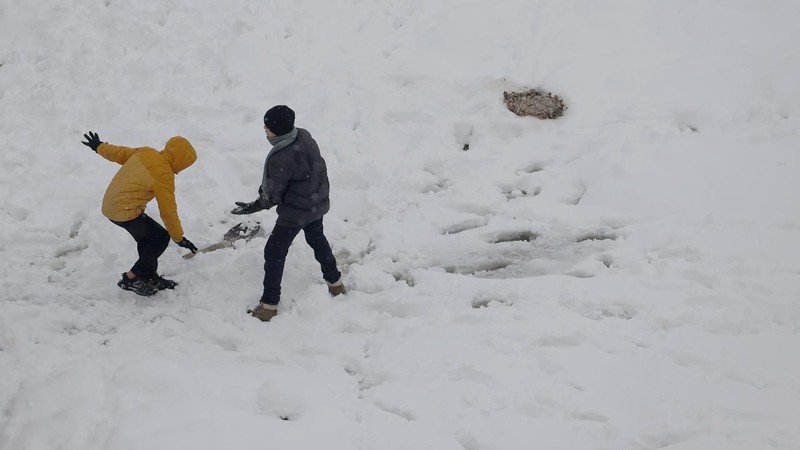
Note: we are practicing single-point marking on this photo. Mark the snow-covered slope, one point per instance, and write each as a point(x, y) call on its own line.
point(624, 277)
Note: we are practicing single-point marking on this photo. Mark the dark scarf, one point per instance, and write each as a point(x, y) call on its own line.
point(278, 143)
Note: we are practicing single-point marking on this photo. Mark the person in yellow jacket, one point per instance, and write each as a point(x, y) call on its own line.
point(145, 173)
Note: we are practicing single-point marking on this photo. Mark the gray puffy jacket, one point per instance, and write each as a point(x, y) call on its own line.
point(296, 180)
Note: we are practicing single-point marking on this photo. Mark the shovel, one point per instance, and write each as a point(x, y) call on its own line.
point(243, 230)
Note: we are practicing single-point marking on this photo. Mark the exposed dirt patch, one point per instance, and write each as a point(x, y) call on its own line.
point(534, 103)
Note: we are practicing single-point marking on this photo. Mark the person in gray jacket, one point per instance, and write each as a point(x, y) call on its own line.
point(296, 181)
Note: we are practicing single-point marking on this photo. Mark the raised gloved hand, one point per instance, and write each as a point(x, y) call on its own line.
point(185, 243)
point(92, 141)
point(247, 208)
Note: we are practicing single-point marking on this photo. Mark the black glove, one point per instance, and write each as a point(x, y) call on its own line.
point(185, 243)
point(247, 208)
point(92, 141)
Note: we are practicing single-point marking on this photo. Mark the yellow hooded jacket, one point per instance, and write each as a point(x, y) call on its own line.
point(146, 173)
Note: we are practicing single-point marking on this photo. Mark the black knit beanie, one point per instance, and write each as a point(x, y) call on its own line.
point(279, 119)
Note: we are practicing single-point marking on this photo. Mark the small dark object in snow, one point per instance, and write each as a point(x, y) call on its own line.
point(534, 103)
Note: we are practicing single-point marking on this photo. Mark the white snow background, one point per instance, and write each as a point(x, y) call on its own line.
point(624, 277)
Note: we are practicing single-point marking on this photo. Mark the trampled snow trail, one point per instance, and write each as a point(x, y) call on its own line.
point(623, 277)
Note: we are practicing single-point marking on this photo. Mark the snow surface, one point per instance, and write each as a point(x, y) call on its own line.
point(624, 277)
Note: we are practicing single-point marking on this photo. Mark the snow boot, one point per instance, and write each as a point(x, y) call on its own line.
point(137, 285)
point(264, 312)
point(161, 283)
point(336, 288)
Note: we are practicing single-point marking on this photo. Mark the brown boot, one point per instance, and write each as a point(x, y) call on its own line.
point(264, 312)
point(337, 288)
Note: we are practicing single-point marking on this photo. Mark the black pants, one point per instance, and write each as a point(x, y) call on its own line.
point(275, 257)
point(151, 241)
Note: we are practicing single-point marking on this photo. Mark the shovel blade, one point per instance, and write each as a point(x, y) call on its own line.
point(243, 230)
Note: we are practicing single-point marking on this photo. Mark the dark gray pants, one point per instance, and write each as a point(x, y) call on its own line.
point(278, 247)
point(151, 241)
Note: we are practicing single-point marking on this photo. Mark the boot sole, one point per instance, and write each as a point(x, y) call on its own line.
point(135, 291)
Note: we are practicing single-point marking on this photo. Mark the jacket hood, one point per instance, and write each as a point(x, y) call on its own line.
point(179, 153)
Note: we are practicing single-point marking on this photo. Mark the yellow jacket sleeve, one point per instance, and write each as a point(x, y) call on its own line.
point(164, 190)
point(115, 153)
